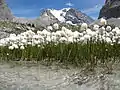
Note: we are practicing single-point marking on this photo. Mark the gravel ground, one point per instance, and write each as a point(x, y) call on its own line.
point(40, 77)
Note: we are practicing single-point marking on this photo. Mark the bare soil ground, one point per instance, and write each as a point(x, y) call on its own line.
point(29, 76)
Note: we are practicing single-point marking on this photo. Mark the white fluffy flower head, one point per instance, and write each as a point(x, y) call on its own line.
point(11, 47)
point(22, 47)
point(64, 28)
point(96, 27)
point(38, 32)
point(108, 28)
point(49, 28)
point(55, 26)
point(15, 46)
point(103, 21)
point(84, 26)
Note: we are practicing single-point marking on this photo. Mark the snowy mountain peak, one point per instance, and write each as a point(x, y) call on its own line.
point(60, 14)
point(65, 15)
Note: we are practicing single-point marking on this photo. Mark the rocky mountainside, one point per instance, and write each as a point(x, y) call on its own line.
point(76, 17)
point(111, 9)
point(65, 15)
point(5, 13)
point(46, 18)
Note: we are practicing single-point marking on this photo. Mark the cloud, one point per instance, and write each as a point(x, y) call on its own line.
point(92, 10)
point(69, 4)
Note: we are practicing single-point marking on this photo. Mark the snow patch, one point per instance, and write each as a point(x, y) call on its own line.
point(70, 22)
point(60, 14)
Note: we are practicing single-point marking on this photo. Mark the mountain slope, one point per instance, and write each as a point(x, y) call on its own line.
point(5, 13)
point(46, 18)
point(76, 17)
point(71, 14)
point(65, 15)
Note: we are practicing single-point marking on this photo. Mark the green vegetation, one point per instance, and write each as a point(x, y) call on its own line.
point(77, 54)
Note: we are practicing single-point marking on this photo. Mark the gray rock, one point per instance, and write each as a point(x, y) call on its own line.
point(3, 34)
point(111, 21)
point(44, 20)
point(111, 9)
point(76, 17)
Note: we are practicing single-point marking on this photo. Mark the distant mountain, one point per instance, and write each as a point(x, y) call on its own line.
point(5, 13)
point(76, 17)
point(65, 15)
point(47, 17)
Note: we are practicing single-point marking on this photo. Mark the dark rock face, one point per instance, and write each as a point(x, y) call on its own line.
point(111, 9)
point(5, 13)
point(76, 17)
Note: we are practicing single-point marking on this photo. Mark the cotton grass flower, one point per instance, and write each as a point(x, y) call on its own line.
point(22, 47)
point(108, 40)
point(45, 33)
point(103, 21)
point(12, 35)
point(108, 28)
point(15, 46)
point(117, 31)
point(96, 27)
point(35, 42)
point(55, 26)
point(114, 30)
point(76, 34)
point(101, 30)
point(82, 38)
point(48, 39)
point(63, 34)
point(10, 47)
point(30, 32)
point(57, 34)
point(63, 39)
point(84, 26)
point(71, 39)
point(39, 32)
point(24, 41)
point(36, 37)
point(29, 43)
point(87, 37)
point(49, 28)
point(90, 32)
point(38, 46)
point(3, 42)
point(68, 32)
point(54, 39)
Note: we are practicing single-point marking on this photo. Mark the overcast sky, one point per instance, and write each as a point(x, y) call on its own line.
point(32, 8)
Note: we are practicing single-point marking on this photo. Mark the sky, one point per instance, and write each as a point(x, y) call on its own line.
point(32, 8)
